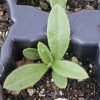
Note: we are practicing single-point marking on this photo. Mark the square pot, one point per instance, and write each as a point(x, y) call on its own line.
point(28, 26)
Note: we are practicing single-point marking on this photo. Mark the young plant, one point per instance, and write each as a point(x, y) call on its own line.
point(58, 35)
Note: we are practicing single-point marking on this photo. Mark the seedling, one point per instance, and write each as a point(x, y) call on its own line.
point(58, 35)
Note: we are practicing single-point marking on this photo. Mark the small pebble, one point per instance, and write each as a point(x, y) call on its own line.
point(51, 80)
point(44, 5)
point(91, 66)
point(41, 92)
point(15, 92)
point(80, 63)
point(90, 71)
point(1, 13)
point(80, 80)
point(81, 98)
point(41, 95)
point(60, 92)
point(30, 91)
point(90, 7)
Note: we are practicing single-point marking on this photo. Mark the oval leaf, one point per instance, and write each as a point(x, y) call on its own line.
point(59, 80)
point(70, 70)
point(25, 76)
point(58, 32)
point(31, 53)
point(44, 53)
point(62, 3)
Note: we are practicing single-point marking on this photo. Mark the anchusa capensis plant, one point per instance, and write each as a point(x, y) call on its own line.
point(58, 35)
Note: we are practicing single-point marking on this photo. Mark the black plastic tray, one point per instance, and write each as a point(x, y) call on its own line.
point(28, 26)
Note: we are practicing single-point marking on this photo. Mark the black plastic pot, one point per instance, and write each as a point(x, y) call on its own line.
point(28, 26)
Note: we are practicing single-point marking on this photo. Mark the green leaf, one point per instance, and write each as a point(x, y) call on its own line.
point(31, 53)
point(59, 80)
point(62, 3)
point(58, 32)
point(25, 76)
point(69, 69)
point(44, 53)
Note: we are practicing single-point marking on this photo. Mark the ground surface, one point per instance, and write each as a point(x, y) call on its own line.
point(45, 88)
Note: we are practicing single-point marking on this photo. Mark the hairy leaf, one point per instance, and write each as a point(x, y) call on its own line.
point(25, 76)
point(58, 32)
point(69, 69)
point(44, 53)
point(62, 3)
point(31, 53)
point(59, 80)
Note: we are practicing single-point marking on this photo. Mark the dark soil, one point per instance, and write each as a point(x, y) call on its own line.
point(45, 88)
point(4, 23)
